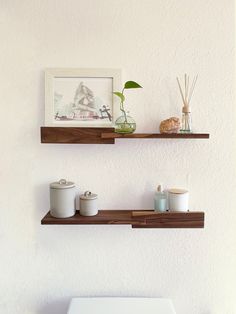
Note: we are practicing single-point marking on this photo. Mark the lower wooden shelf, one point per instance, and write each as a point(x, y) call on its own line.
point(135, 218)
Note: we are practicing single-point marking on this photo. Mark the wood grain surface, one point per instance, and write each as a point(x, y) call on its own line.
point(157, 135)
point(74, 135)
point(77, 135)
point(135, 218)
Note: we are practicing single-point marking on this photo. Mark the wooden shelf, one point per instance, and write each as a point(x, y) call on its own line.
point(76, 135)
point(135, 218)
point(71, 135)
point(156, 135)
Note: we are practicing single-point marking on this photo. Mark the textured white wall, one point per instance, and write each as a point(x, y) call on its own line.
point(42, 267)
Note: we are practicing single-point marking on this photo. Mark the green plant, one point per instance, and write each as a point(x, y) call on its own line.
point(127, 85)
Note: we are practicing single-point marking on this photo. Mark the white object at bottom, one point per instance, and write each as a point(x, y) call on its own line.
point(121, 306)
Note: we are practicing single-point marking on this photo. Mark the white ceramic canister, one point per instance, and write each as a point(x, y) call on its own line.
point(88, 204)
point(178, 200)
point(62, 199)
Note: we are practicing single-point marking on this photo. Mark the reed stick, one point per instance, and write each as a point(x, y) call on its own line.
point(192, 88)
point(185, 85)
point(187, 91)
point(180, 89)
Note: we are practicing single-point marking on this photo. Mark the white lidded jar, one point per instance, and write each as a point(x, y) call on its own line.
point(178, 200)
point(88, 204)
point(62, 199)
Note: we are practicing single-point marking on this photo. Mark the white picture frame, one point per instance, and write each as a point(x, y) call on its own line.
point(79, 97)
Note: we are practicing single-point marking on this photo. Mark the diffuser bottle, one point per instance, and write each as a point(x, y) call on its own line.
point(160, 200)
point(186, 120)
point(186, 92)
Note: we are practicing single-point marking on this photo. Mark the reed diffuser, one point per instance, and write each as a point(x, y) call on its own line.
point(186, 93)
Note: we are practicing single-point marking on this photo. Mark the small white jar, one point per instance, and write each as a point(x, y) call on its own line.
point(178, 200)
point(88, 204)
point(62, 199)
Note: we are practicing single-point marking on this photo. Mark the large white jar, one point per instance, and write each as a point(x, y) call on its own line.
point(62, 199)
point(178, 200)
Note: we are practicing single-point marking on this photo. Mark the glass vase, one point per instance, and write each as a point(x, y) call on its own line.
point(125, 124)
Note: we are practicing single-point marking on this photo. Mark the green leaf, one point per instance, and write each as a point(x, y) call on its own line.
point(132, 84)
point(120, 95)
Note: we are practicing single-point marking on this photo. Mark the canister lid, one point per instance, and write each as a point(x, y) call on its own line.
point(178, 191)
point(88, 196)
point(62, 184)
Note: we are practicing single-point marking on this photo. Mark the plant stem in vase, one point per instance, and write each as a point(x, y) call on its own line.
point(125, 124)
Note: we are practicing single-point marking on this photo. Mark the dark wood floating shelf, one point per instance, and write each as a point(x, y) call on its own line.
point(155, 135)
point(135, 218)
point(76, 135)
point(71, 135)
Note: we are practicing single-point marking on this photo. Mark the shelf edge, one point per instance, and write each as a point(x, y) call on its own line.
point(134, 218)
point(111, 135)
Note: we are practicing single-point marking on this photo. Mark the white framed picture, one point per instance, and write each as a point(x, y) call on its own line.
point(81, 97)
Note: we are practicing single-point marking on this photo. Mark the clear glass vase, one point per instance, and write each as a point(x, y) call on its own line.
point(125, 124)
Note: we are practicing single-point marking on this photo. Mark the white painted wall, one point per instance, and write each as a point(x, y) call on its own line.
point(42, 267)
